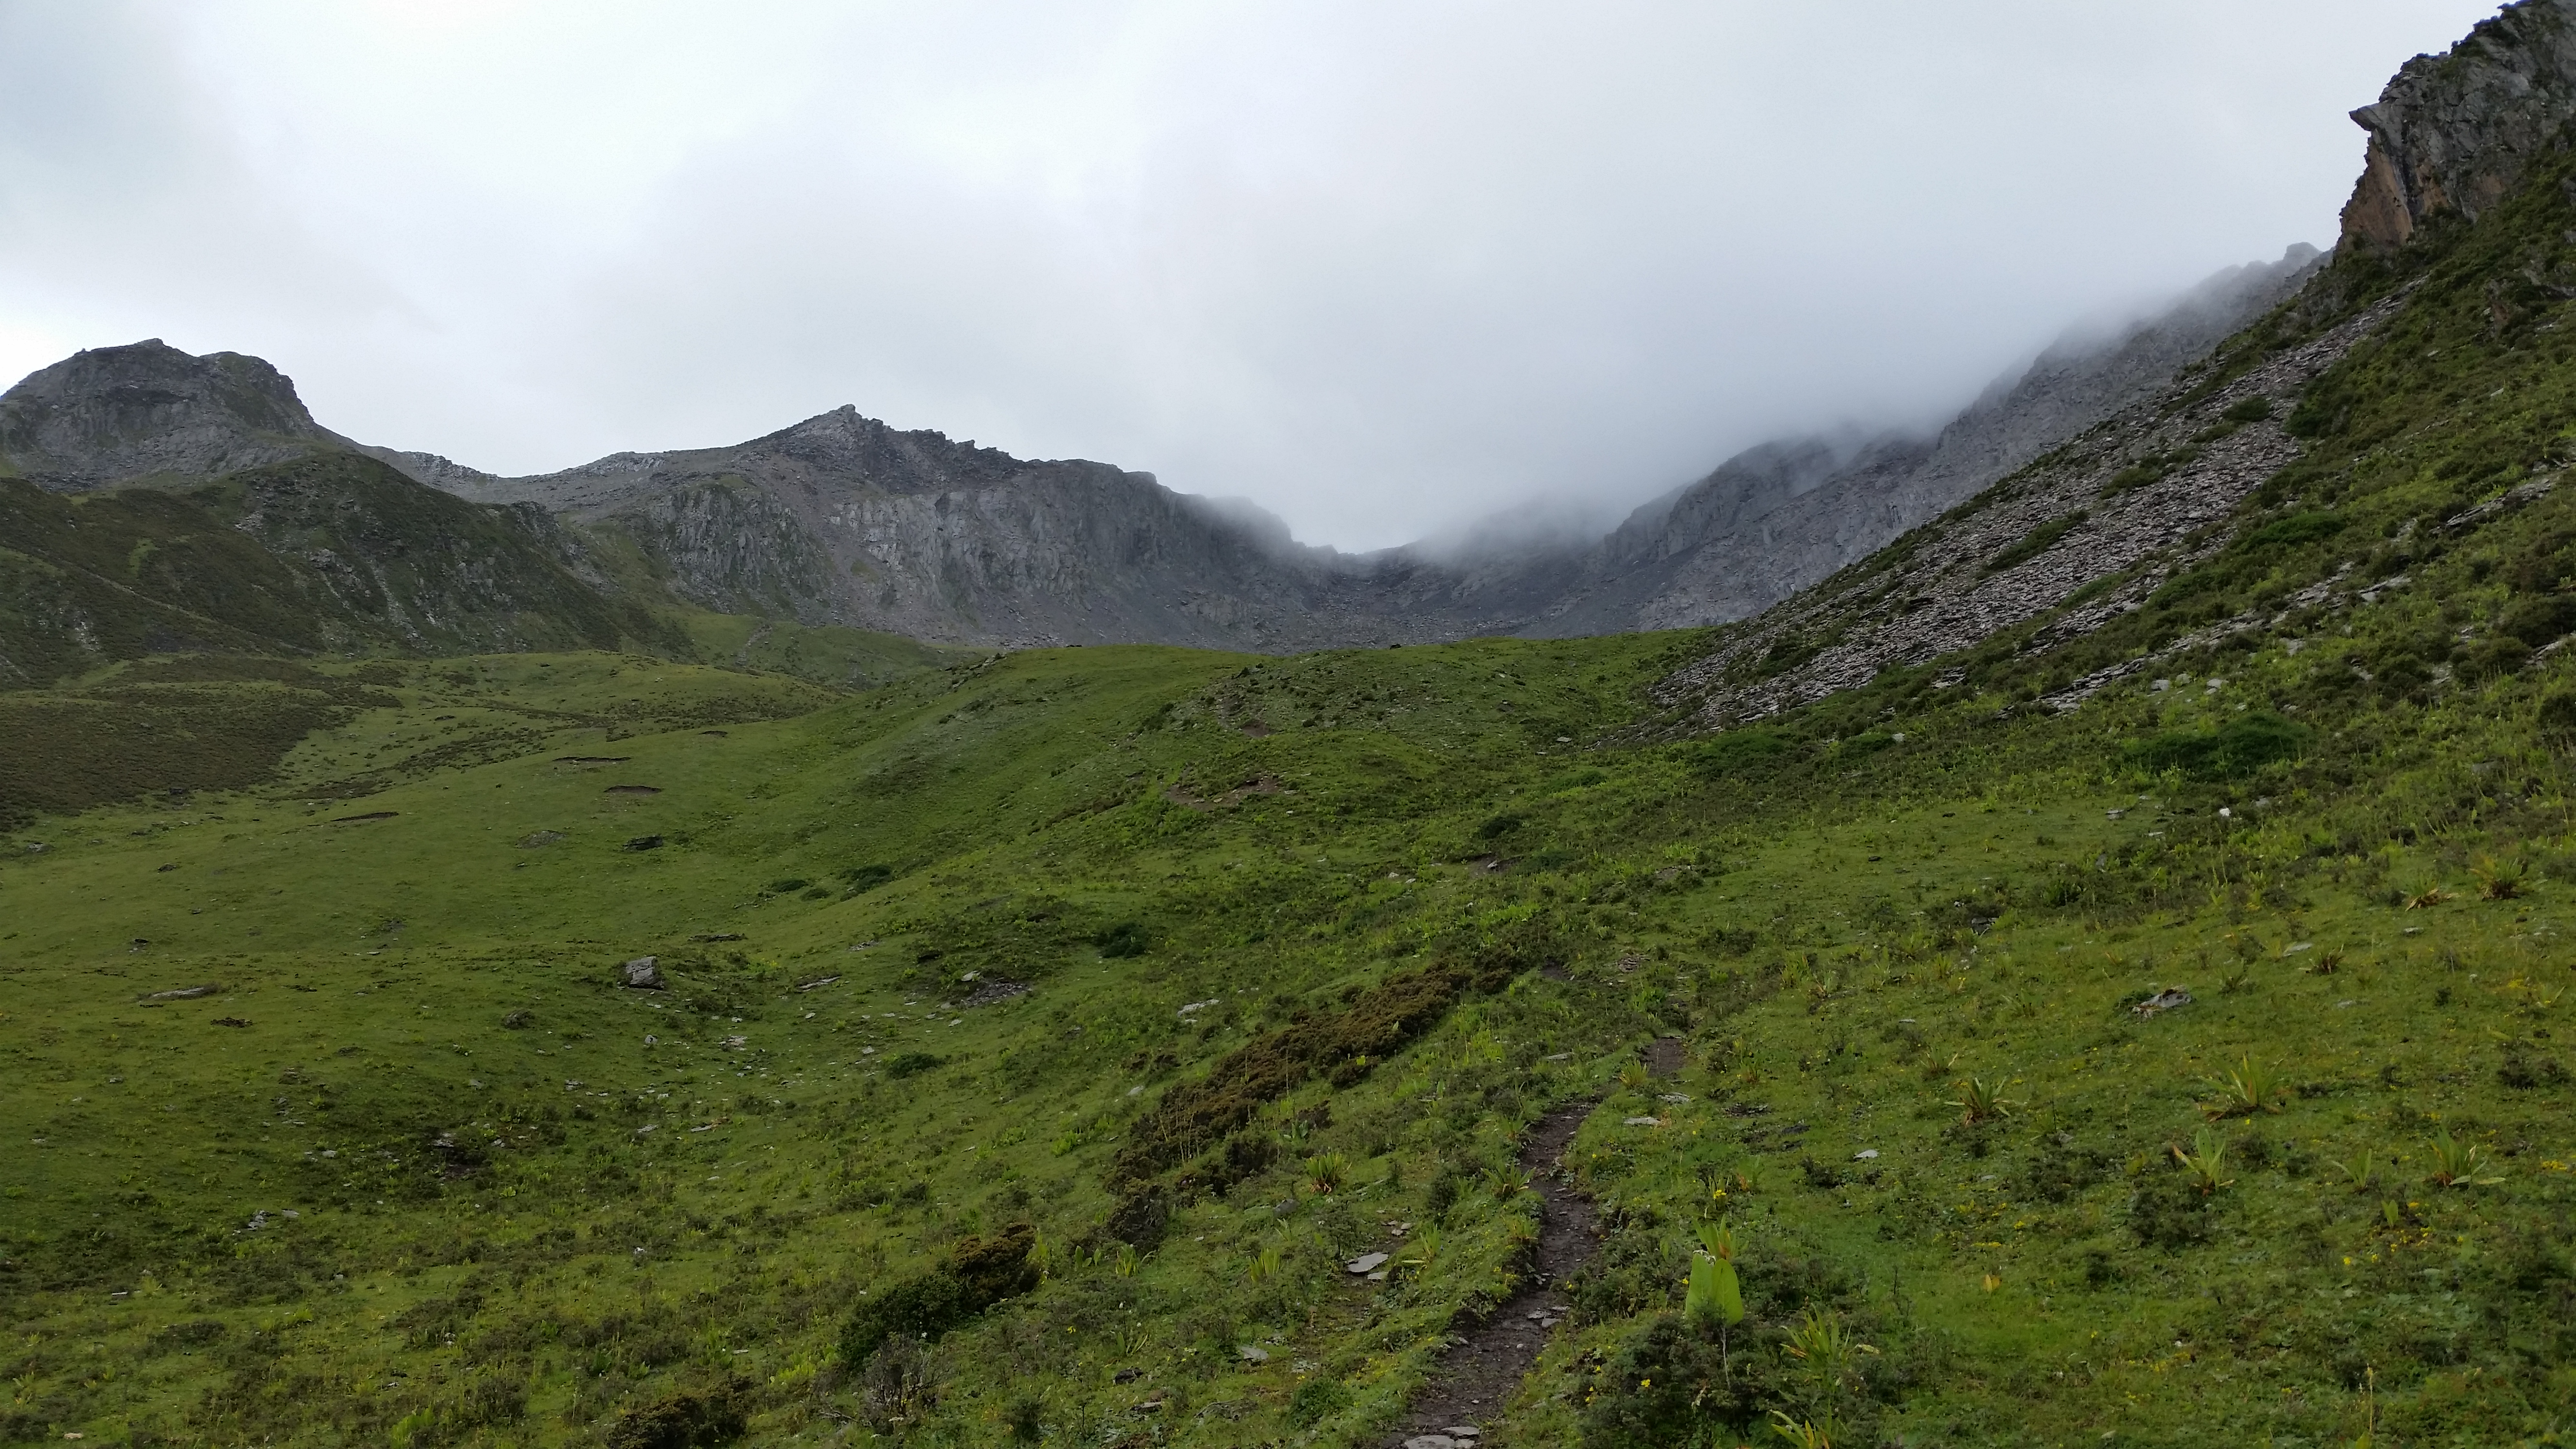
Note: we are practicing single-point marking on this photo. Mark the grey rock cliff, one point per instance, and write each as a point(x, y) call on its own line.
point(2453, 132)
point(842, 519)
point(147, 410)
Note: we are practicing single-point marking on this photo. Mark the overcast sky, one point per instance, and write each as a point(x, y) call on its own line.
point(1382, 267)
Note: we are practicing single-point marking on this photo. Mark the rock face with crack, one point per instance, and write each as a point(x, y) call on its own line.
point(2453, 132)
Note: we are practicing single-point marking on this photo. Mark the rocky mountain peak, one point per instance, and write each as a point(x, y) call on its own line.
point(2453, 132)
point(148, 409)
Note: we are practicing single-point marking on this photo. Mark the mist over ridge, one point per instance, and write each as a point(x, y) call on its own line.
point(1384, 275)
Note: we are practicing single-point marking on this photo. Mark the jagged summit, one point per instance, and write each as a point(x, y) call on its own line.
point(113, 414)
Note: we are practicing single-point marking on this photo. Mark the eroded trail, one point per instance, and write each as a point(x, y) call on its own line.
point(1479, 1372)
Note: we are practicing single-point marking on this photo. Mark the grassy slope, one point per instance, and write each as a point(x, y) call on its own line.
point(1857, 932)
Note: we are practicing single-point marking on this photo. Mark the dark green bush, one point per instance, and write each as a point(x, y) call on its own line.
point(862, 878)
point(980, 1272)
point(2167, 1211)
point(1316, 1400)
point(2558, 716)
point(2290, 532)
point(2036, 542)
point(1737, 751)
point(1675, 1384)
point(2242, 746)
point(681, 1421)
point(1127, 938)
point(2539, 621)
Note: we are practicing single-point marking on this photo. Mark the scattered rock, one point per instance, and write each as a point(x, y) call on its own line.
point(592, 759)
point(230, 1021)
point(644, 973)
point(362, 819)
point(184, 993)
point(2165, 1000)
point(1127, 1375)
point(1366, 1263)
point(1430, 1441)
point(710, 937)
point(1866, 1154)
point(989, 992)
point(1253, 1353)
point(633, 790)
point(818, 985)
point(1965, 583)
point(174, 865)
point(643, 842)
point(1645, 1122)
point(539, 839)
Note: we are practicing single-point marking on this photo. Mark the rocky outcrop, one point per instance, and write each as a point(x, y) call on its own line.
point(2453, 132)
point(149, 411)
point(843, 519)
point(2119, 510)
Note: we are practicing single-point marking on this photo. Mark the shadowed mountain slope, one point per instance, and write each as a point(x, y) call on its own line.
point(843, 521)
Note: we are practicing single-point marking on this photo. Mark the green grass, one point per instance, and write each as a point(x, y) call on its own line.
point(1353, 921)
point(1842, 939)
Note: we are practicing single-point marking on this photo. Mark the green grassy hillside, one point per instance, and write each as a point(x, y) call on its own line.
point(1038, 1035)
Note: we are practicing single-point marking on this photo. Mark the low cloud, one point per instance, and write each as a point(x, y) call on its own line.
point(1382, 270)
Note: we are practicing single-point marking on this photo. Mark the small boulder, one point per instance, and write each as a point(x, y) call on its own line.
point(644, 973)
point(643, 842)
point(2165, 1000)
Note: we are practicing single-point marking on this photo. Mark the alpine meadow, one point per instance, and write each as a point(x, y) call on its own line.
point(485, 966)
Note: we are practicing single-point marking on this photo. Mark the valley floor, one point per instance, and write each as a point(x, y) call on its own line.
point(337, 1124)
